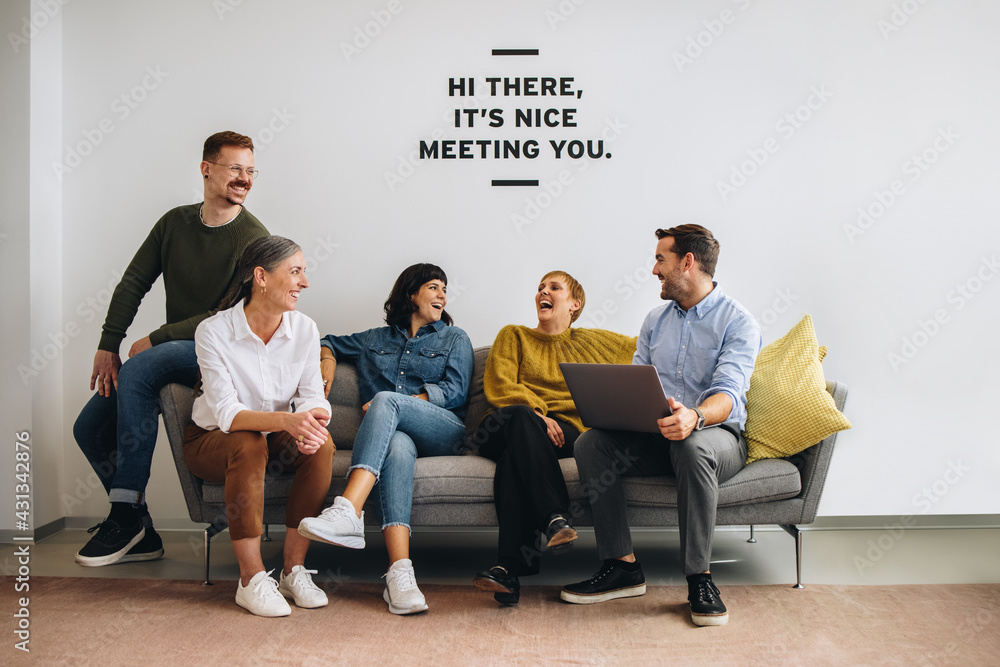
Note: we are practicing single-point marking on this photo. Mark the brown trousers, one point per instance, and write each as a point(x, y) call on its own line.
point(239, 460)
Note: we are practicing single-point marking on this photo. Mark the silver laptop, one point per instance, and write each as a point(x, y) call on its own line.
point(617, 396)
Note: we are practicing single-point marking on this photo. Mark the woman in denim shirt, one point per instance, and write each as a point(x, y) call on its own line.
point(416, 373)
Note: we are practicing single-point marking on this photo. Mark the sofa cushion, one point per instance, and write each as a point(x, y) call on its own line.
point(468, 479)
point(759, 482)
point(453, 479)
point(788, 406)
point(345, 404)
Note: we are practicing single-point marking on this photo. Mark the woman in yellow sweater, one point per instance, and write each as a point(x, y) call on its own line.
point(534, 425)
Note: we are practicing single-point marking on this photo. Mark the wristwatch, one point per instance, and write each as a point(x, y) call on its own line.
point(701, 420)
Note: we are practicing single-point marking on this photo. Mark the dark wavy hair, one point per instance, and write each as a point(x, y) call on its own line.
point(267, 252)
point(399, 307)
point(696, 240)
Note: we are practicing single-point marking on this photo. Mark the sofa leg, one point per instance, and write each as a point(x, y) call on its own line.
point(210, 532)
point(266, 537)
point(797, 534)
point(752, 540)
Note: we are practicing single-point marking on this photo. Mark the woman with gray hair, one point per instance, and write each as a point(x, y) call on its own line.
point(261, 404)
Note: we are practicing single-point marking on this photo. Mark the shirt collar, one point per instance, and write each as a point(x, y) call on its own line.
point(433, 326)
point(705, 306)
point(241, 328)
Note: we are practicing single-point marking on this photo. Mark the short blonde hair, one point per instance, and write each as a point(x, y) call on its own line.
point(575, 290)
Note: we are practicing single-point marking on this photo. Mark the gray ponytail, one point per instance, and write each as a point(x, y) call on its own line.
point(267, 252)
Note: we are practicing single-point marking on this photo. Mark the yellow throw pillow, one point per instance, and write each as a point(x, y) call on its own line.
point(788, 406)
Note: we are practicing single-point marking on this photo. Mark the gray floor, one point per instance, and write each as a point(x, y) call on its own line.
point(832, 554)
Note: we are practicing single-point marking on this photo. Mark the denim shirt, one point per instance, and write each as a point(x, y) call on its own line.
point(437, 361)
point(708, 349)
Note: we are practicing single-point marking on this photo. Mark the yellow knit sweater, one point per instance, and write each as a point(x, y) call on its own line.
point(523, 366)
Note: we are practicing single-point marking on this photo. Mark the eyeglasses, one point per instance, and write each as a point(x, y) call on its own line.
point(236, 170)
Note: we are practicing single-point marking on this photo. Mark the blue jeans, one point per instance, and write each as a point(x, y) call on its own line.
point(396, 430)
point(117, 434)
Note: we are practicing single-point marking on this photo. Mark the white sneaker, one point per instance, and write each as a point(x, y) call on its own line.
point(401, 590)
point(337, 524)
point(261, 596)
point(300, 587)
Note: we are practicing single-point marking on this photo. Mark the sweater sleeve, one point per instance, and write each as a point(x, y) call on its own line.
point(183, 330)
point(246, 229)
point(622, 347)
point(500, 380)
point(139, 277)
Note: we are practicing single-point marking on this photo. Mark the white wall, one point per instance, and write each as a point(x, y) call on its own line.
point(331, 127)
point(15, 402)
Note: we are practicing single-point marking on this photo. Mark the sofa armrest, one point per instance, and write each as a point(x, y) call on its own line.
point(814, 462)
point(175, 405)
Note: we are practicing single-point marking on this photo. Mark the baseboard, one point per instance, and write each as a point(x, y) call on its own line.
point(911, 522)
point(40, 533)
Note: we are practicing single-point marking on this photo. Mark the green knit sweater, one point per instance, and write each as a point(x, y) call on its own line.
point(198, 264)
point(523, 366)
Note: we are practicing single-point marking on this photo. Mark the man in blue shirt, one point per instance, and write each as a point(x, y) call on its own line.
point(703, 345)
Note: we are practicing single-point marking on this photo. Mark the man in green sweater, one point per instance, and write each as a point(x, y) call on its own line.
point(196, 248)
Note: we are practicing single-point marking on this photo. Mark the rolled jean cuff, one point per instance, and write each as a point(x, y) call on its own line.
point(127, 496)
point(398, 523)
point(363, 467)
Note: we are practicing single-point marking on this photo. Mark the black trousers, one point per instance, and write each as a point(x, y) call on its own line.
point(528, 487)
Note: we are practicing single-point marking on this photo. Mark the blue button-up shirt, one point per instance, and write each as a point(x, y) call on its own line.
point(437, 361)
point(706, 350)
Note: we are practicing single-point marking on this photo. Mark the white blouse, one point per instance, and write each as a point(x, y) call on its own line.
point(239, 372)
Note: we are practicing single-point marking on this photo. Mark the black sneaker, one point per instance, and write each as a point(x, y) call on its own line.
point(149, 547)
point(505, 586)
point(111, 543)
point(611, 581)
point(559, 534)
point(706, 603)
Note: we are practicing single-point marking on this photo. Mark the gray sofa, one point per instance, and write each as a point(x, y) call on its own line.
point(458, 490)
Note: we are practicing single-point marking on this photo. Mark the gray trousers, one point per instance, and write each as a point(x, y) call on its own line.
point(699, 463)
